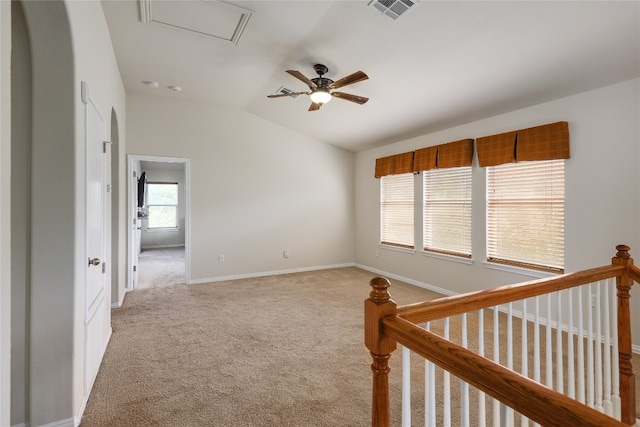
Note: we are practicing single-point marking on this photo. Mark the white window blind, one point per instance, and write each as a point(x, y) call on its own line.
point(162, 199)
point(396, 210)
point(447, 211)
point(525, 214)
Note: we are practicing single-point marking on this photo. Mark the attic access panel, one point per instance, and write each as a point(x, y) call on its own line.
point(210, 18)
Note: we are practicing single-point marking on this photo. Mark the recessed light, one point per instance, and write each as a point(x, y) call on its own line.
point(151, 83)
point(175, 88)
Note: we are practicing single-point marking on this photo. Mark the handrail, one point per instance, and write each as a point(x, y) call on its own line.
point(517, 391)
point(458, 304)
point(386, 325)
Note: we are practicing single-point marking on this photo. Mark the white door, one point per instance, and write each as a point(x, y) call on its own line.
point(136, 223)
point(96, 256)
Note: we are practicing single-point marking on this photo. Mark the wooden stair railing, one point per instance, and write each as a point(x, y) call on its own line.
point(386, 325)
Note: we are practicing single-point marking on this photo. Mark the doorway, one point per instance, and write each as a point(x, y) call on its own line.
point(159, 219)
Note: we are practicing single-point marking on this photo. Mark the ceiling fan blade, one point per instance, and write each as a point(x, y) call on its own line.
point(279, 95)
point(348, 97)
point(298, 75)
point(356, 77)
point(314, 106)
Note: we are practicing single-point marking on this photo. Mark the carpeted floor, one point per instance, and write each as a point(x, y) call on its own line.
point(272, 351)
point(161, 267)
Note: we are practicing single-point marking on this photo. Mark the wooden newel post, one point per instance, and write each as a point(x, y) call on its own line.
point(627, 378)
point(381, 346)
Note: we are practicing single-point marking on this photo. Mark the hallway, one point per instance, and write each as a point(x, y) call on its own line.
point(161, 267)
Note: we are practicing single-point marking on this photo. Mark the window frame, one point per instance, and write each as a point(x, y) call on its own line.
point(463, 221)
point(387, 236)
point(150, 205)
point(552, 207)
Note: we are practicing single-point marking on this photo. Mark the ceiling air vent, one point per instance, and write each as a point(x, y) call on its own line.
point(392, 9)
point(285, 91)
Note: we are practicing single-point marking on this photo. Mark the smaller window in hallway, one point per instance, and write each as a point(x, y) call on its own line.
point(162, 200)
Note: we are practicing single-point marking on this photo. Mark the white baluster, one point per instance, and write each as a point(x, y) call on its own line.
point(430, 390)
point(510, 352)
point(496, 358)
point(571, 377)
point(482, 413)
point(536, 343)
point(559, 354)
point(581, 392)
point(549, 347)
point(446, 384)
point(607, 404)
point(590, 361)
point(617, 403)
point(525, 352)
point(406, 387)
point(598, 361)
point(464, 387)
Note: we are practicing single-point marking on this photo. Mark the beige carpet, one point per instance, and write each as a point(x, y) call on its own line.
point(275, 351)
point(161, 267)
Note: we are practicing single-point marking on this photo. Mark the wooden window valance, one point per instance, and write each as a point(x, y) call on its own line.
point(450, 155)
point(394, 165)
point(546, 142)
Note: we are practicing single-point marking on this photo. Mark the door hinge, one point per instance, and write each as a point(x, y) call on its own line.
point(104, 146)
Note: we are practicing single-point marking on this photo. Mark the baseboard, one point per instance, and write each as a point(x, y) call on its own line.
point(408, 280)
point(69, 422)
point(162, 246)
point(268, 273)
point(20, 425)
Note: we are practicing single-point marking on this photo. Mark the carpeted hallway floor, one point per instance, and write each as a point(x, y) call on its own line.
point(161, 267)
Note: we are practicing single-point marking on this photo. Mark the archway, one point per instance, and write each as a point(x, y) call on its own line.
point(52, 268)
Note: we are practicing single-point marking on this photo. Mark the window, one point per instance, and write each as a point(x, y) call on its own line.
point(162, 199)
point(447, 211)
point(525, 214)
point(396, 210)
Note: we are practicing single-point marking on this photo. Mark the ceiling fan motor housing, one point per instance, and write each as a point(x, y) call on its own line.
point(320, 69)
point(320, 81)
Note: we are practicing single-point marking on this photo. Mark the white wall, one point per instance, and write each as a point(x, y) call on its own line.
point(602, 191)
point(256, 188)
point(5, 212)
point(95, 63)
point(161, 237)
point(70, 43)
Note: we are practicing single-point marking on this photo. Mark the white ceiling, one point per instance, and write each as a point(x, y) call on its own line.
point(442, 64)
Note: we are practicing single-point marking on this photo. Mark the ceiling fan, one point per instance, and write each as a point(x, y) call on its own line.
point(322, 89)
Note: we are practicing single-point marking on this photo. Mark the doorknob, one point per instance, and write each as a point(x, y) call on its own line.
point(94, 261)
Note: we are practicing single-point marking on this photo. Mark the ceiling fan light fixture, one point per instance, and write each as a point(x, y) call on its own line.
point(320, 96)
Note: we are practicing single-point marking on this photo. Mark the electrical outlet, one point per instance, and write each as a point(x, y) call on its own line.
point(594, 300)
point(285, 253)
point(376, 252)
point(221, 258)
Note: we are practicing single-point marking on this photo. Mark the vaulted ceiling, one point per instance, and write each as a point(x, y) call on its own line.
point(441, 64)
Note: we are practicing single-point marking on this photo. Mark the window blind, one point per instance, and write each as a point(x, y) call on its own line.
point(447, 211)
point(396, 210)
point(525, 214)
